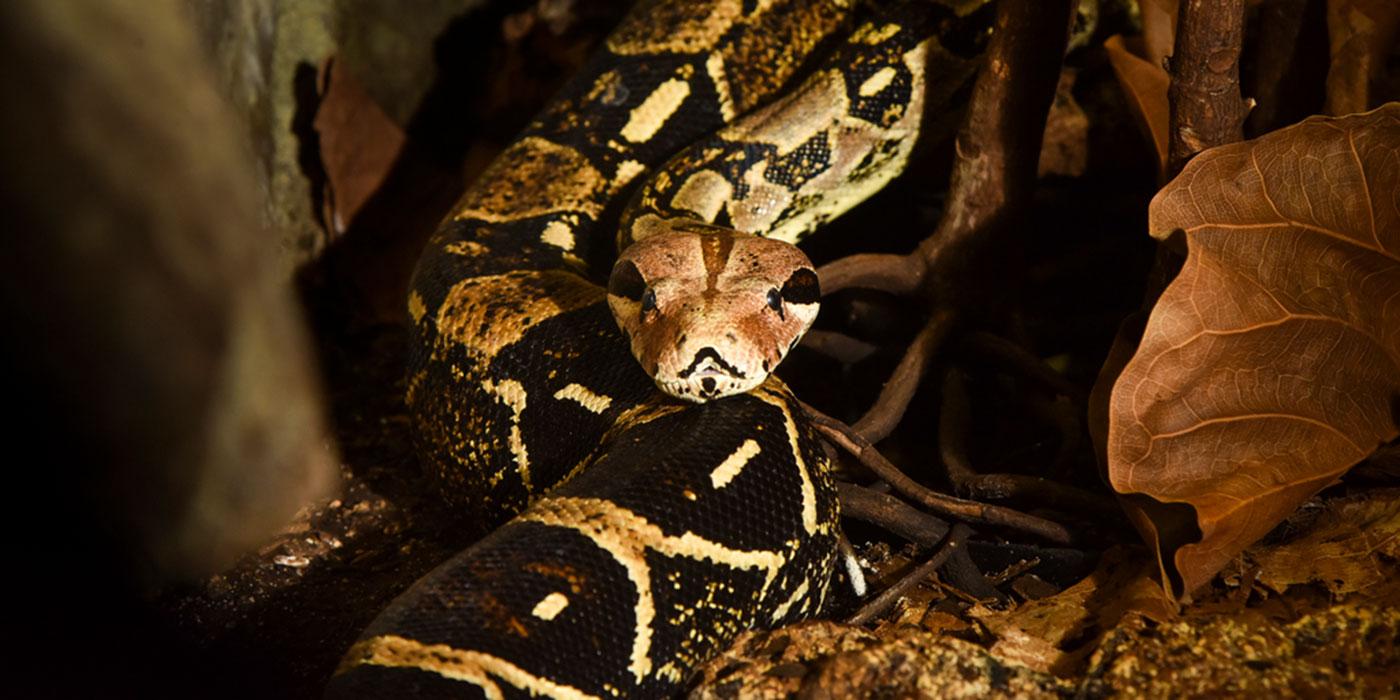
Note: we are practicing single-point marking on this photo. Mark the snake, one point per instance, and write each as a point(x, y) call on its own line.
point(594, 330)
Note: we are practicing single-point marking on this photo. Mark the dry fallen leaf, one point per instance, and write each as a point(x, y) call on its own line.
point(1145, 87)
point(1271, 364)
point(1158, 30)
point(1055, 634)
point(1361, 33)
point(1342, 549)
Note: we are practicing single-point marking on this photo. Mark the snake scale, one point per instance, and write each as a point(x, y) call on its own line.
point(646, 528)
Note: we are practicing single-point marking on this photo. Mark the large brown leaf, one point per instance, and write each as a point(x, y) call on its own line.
point(1271, 363)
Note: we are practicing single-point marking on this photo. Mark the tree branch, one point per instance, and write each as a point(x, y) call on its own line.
point(1206, 107)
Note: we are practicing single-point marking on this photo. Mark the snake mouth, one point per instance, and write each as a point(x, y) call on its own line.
point(708, 377)
point(709, 363)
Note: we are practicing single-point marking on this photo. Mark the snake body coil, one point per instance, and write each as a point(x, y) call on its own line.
point(676, 525)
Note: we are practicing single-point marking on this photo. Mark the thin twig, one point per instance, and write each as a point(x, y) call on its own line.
point(962, 575)
point(889, 408)
point(880, 603)
point(890, 513)
point(851, 441)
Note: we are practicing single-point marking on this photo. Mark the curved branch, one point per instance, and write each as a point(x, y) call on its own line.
point(881, 419)
point(860, 448)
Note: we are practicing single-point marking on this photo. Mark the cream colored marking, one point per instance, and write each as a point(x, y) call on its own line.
point(704, 193)
point(809, 492)
point(596, 403)
point(782, 610)
point(797, 117)
point(646, 226)
point(733, 464)
point(627, 537)
point(877, 82)
point(473, 317)
point(475, 667)
point(558, 234)
point(648, 117)
point(714, 66)
point(512, 394)
point(844, 183)
point(627, 171)
point(550, 606)
point(416, 307)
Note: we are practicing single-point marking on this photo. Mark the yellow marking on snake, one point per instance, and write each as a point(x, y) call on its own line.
point(794, 119)
point(559, 178)
point(685, 27)
point(782, 610)
point(468, 249)
point(733, 464)
point(627, 536)
point(512, 394)
point(416, 307)
point(809, 492)
point(648, 117)
point(558, 234)
point(704, 194)
point(871, 36)
point(877, 82)
point(474, 316)
point(475, 667)
point(714, 66)
point(596, 403)
point(550, 606)
point(850, 176)
point(627, 171)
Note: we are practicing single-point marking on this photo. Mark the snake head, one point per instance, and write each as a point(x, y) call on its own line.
point(710, 311)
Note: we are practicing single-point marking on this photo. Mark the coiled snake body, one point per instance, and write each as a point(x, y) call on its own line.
point(677, 525)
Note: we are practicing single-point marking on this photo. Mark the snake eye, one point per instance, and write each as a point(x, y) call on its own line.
point(648, 301)
point(626, 281)
point(775, 300)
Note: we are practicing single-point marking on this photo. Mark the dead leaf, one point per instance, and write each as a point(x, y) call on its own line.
point(359, 143)
point(1145, 86)
point(1361, 33)
point(1158, 31)
point(1055, 634)
point(1343, 548)
point(1271, 364)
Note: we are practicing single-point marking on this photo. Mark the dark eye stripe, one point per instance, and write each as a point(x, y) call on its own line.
point(626, 281)
point(802, 287)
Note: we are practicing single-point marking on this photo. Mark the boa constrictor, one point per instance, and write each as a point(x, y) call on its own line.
point(656, 529)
